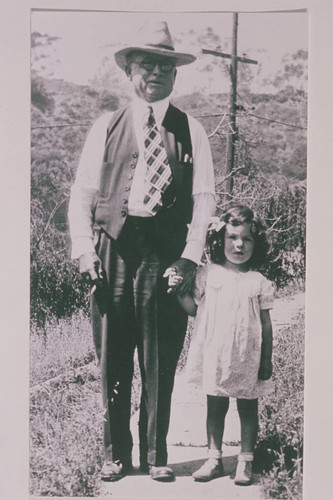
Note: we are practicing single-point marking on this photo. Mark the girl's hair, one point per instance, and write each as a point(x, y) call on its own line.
point(236, 216)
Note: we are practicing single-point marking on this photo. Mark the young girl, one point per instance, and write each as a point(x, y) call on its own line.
point(230, 354)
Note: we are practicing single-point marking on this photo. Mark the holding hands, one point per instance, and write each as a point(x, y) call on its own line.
point(181, 276)
point(180, 281)
point(174, 279)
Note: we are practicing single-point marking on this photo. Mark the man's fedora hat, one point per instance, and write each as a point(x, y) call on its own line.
point(154, 38)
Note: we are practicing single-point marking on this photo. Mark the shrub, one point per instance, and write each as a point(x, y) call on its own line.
point(56, 288)
point(39, 96)
point(279, 453)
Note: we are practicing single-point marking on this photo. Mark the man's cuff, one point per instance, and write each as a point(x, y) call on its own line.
point(193, 251)
point(82, 245)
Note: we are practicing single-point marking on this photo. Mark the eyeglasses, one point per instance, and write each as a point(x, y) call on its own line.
point(149, 65)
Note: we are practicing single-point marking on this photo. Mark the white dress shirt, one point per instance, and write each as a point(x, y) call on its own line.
point(88, 178)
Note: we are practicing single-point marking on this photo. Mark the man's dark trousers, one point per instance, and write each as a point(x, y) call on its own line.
point(133, 309)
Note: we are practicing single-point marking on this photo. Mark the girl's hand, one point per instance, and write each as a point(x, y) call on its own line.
point(184, 268)
point(265, 369)
point(174, 280)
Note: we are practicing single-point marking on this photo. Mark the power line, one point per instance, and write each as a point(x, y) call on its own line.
point(255, 116)
point(196, 116)
point(63, 125)
point(276, 121)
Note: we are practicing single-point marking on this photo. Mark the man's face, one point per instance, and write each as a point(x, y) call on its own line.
point(153, 76)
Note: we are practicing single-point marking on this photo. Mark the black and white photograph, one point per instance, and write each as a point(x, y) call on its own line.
point(171, 168)
point(168, 217)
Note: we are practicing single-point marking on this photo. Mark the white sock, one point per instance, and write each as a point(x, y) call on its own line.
point(246, 456)
point(215, 455)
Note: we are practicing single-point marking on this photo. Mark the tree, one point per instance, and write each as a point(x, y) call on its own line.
point(39, 96)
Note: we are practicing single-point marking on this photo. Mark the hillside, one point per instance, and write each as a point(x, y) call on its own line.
point(263, 121)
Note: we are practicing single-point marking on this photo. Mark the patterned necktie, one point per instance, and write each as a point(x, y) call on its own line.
point(158, 173)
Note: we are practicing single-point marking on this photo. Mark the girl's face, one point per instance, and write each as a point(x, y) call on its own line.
point(238, 246)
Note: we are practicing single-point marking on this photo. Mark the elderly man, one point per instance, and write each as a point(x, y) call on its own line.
point(141, 201)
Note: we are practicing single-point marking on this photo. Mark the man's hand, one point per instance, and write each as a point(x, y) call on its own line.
point(185, 269)
point(90, 267)
point(265, 368)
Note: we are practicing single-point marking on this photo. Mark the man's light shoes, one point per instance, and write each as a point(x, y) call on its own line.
point(113, 471)
point(161, 473)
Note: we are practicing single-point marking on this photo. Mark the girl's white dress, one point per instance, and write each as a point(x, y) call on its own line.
point(224, 354)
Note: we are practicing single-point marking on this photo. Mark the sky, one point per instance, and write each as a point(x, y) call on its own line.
point(85, 38)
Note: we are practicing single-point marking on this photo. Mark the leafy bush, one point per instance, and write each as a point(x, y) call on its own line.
point(279, 453)
point(39, 95)
point(56, 288)
point(286, 218)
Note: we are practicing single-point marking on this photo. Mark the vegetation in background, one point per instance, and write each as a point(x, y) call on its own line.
point(279, 453)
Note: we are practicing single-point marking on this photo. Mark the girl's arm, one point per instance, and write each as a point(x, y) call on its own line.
point(265, 369)
point(188, 304)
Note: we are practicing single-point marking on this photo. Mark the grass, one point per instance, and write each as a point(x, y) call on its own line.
point(66, 438)
point(65, 412)
point(66, 424)
point(279, 454)
point(60, 346)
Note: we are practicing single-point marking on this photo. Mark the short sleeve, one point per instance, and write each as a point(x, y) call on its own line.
point(200, 284)
point(266, 295)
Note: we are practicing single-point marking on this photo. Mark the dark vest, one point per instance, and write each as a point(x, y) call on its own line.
point(119, 163)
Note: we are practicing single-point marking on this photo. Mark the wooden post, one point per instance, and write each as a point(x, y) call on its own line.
point(232, 132)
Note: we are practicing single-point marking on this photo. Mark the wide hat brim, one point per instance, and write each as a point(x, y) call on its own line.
point(180, 58)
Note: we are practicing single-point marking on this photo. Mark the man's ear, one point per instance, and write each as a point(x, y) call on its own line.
point(175, 74)
point(128, 71)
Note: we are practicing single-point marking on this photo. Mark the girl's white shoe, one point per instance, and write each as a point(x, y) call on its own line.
point(243, 476)
point(211, 469)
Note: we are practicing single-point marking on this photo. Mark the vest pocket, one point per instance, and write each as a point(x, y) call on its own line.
point(105, 184)
point(185, 170)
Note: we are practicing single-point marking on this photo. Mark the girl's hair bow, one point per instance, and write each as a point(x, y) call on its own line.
point(215, 224)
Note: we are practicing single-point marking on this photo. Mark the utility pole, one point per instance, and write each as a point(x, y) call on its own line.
point(232, 132)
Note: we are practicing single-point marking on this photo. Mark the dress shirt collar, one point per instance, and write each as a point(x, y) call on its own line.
point(159, 108)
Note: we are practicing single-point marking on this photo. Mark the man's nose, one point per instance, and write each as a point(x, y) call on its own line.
point(156, 69)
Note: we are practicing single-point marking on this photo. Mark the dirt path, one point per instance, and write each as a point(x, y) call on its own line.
point(285, 310)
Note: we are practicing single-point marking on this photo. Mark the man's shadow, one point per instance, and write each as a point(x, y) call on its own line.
point(184, 469)
point(187, 468)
